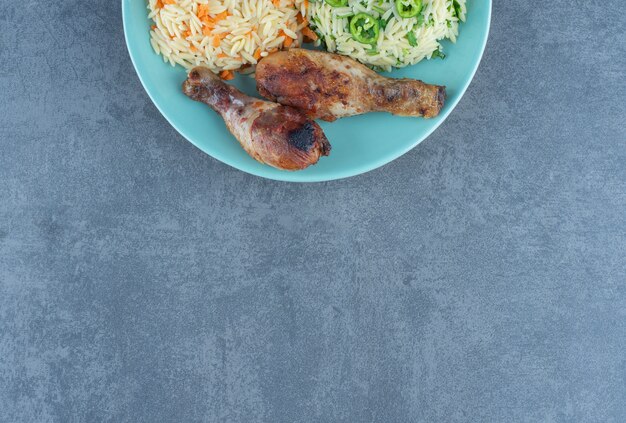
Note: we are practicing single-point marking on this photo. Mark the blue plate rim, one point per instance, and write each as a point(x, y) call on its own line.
point(336, 175)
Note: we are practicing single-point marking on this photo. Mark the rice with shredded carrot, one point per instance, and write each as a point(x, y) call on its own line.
point(224, 35)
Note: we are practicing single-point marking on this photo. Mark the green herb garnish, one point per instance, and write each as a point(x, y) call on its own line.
point(457, 9)
point(411, 38)
point(438, 53)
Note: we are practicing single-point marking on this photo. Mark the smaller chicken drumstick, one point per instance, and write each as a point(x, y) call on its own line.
point(277, 135)
point(330, 86)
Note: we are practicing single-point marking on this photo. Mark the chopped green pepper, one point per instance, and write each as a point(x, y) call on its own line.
point(379, 9)
point(336, 3)
point(408, 8)
point(364, 28)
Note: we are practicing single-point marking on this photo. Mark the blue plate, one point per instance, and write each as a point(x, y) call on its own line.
point(359, 143)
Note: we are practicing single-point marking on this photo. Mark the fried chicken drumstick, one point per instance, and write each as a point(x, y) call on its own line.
point(277, 135)
point(329, 86)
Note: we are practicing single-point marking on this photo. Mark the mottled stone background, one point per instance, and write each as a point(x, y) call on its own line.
point(480, 277)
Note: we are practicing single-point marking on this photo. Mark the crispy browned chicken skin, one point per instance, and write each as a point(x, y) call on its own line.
point(277, 135)
point(330, 86)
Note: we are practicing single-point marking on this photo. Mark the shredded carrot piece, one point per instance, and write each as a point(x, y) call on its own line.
point(220, 16)
point(203, 10)
point(227, 75)
point(309, 33)
point(208, 21)
point(217, 39)
point(153, 27)
point(169, 1)
point(276, 3)
point(222, 55)
point(159, 4)
point(257, 54)
point(306, 4)
point(288, 39)
point(187, 33)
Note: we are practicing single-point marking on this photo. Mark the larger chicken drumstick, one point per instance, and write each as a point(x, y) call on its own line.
point(277, 135)
point(330, 86)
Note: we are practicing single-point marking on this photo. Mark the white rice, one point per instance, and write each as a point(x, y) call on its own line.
point(438, 21)
point(251, 29)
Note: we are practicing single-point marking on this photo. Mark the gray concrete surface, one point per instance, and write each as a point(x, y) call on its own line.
point(481, 277)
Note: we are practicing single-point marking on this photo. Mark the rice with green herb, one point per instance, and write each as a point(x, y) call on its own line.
point(386, 33)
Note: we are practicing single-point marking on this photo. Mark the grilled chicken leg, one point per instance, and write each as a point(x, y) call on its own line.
point(277, 135)
point(330, 86)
